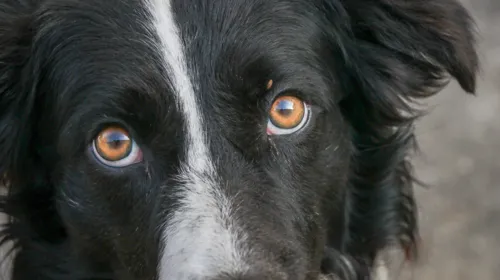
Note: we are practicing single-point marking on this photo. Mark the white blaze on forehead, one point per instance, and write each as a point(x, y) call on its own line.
point(199, 237)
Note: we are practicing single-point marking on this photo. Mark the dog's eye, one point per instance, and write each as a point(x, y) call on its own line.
point(288, 114)
point(113, 146)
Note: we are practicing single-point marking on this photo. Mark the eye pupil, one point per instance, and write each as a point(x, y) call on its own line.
point(116, 144)
point(115, 140)
point(285, 108)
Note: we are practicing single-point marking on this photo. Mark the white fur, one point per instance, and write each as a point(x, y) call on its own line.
point(200, 238)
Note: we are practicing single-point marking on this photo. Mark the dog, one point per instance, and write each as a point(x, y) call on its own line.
point(197, 139)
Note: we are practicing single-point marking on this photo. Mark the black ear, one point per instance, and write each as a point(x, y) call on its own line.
point(16, 108)
point(395, 52)
point(17, 114)
point(426, 40)
point(435, 35)
point(16, 88)
point(29, 202)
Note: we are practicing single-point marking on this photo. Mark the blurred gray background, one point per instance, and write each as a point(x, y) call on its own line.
point(460, 160)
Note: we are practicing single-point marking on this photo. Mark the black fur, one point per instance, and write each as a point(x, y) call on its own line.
point(347, 187)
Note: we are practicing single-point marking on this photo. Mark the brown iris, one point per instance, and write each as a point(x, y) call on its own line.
point(113, 144)
point(287, 112)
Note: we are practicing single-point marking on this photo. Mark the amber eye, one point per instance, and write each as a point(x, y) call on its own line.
point(113, 146)
point(288, 114)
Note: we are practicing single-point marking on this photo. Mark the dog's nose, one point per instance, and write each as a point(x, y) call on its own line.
point(257, 275)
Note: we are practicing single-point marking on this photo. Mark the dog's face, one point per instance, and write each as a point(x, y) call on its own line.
point(169, 139)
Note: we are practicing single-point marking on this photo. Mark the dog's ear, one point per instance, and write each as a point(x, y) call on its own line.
point(395, 52)
point(16, 92)
point(29, 200)
point(414, 43)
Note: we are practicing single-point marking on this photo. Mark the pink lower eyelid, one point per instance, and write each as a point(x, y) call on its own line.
point(139, 156)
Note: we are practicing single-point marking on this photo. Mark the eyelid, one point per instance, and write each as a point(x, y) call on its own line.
point(278, 91)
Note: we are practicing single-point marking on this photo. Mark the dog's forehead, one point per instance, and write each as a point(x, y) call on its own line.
point(228, 13)
point(238, 46)
point(216, 35)
point(243, 22)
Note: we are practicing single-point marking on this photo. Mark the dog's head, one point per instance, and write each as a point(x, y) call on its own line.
point(175, 139)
